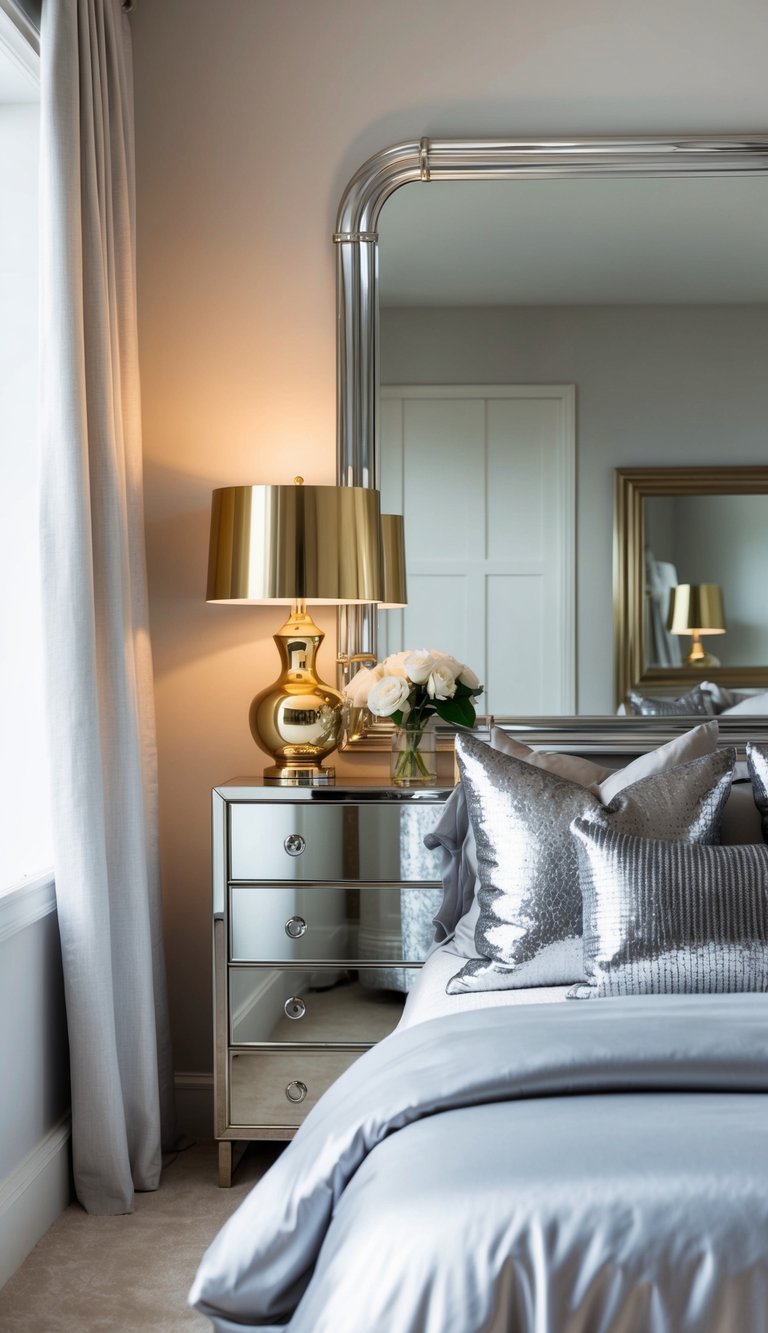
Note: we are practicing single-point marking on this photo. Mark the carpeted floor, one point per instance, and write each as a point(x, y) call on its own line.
point(134, 1272)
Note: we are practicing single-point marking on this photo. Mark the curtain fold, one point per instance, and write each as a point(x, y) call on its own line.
point(99, 669)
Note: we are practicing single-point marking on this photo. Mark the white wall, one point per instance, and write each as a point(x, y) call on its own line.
point(251, 117)
point(34, 1089)
point(33, 1037)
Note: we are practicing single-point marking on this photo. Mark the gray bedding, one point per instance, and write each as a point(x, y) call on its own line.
point(547, 1169)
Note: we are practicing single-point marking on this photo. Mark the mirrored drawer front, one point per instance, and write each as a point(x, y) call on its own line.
point(274, 1088)
point(343, 924)
point(323, 1006)
point(377, 841)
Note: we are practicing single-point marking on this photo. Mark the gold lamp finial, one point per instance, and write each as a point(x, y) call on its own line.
point(298, 481)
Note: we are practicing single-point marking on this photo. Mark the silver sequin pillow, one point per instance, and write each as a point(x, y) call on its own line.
point(757, 759)
point(670, 917)
point(530, 915)
point(695, 703)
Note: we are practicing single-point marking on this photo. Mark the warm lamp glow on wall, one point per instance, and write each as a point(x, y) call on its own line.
point(697, 609)
point(296, 544)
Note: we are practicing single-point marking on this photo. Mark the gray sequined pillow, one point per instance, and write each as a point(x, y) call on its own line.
point(695, 703)
point(530, 915)
point(670, 917)
point(757, 760)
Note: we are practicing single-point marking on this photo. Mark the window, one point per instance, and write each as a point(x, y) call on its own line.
point(25, 840)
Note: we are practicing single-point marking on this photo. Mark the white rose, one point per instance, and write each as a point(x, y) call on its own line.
point(468, 678)
point(388, 695)
point(419, 666)
point(393, 665)
point(356, 689)
point(441, 683)
point(451, 664)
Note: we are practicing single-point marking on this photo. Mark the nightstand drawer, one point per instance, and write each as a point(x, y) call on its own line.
point(327, 1007)
point(320, 923)
point(325, 842)
point(274, 1088)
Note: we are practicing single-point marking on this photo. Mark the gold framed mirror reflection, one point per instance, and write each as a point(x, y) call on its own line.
point(669, 519)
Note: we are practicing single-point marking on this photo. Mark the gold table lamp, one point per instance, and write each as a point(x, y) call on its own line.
point(697, 609)
point(296, 544)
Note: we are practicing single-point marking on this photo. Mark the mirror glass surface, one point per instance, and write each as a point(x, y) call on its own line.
point(712, 539)
point(649, 298)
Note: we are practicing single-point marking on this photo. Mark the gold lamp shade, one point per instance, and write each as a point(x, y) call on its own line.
point(296, 544)
point(394, 590)
point(697, 609)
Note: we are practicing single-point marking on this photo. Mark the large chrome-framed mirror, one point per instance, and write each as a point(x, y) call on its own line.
point(421, 162)
point(686, 520)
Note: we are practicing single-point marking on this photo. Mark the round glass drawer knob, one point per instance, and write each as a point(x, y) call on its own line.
point(295, 1007)
point(294, 844)
point(295, 927)
point(296, 1091)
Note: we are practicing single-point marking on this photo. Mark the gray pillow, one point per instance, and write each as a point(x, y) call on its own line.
point(670, 917)
point(454, 841)
point(530, 919)
point(696, 702)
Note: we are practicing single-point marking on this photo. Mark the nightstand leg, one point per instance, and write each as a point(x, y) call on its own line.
point(225, 1163)
point(230, 1155)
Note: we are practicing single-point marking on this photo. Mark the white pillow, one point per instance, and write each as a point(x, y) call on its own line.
point(755, 705)
point(570, 766)
point(692, 744)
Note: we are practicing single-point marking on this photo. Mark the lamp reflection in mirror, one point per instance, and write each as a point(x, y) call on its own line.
point(394, 589)
point(296, 544)
point(697, 609)
point(394, 596)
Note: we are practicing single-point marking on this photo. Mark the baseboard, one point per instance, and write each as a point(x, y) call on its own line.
point(194, 1104)
point(33, 1196)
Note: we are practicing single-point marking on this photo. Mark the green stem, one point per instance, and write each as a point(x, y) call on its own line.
point(410, 761)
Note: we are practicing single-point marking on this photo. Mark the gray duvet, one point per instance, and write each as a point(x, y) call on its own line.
point(599, 1168)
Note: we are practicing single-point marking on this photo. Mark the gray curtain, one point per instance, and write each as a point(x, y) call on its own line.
point(99, 668)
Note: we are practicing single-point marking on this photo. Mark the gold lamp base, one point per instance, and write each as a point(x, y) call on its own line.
point(298, 719)
point(698, 656)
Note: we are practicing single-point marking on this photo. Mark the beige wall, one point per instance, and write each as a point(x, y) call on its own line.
point(251, 116)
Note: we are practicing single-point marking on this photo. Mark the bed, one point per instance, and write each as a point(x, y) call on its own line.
point(578, 1155)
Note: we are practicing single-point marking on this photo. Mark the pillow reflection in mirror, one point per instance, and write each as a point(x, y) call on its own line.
point(755, 705)
point(757, 761)
point(665, 917)
point(695, 703)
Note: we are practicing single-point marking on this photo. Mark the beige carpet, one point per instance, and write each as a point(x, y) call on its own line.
point(133, 1272)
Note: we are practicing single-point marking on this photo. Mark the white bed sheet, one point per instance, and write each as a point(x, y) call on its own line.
point(427, 999)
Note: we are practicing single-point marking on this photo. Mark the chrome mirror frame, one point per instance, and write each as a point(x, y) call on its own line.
point(357, 267)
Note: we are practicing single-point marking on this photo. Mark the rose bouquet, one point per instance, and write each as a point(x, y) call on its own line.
point(411, 687)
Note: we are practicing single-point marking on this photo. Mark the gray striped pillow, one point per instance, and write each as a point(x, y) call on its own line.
point(670, 917)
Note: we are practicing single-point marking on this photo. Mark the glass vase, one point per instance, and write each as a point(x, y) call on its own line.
point(414, 756)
